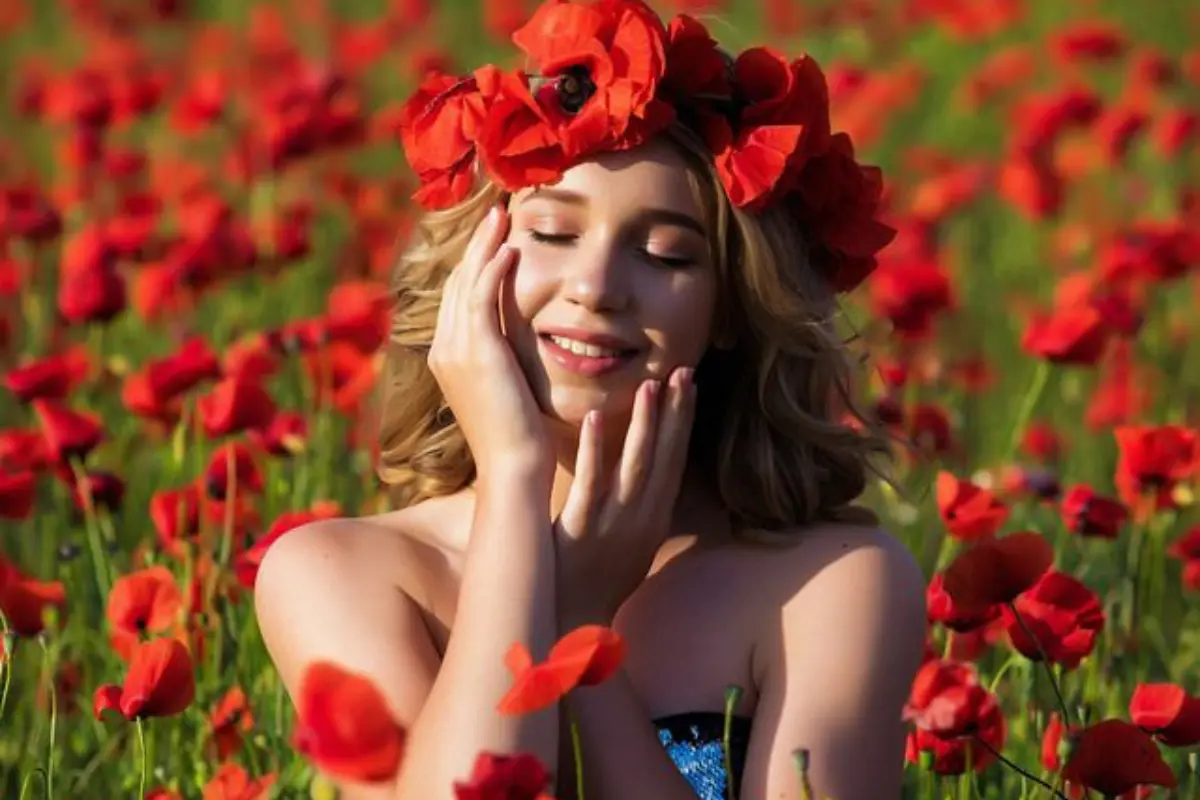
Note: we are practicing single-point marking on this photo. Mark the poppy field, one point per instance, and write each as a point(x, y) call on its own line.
point(200, 205)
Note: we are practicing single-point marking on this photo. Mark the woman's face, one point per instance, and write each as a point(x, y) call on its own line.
point(616, 248)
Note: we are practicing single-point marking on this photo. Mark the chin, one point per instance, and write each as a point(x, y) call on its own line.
point(571, 404)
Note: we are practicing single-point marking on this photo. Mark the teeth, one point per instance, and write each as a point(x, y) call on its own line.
point(584, 349)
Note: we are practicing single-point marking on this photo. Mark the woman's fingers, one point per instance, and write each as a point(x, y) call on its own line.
point(639, 443)
point(674, 432)
point(587, 487)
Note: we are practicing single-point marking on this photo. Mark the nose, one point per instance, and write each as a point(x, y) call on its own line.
point(595, 277)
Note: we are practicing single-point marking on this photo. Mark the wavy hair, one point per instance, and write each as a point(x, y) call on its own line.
point(778, 432)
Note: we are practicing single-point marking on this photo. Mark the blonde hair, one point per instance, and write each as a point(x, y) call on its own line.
point(778, 432)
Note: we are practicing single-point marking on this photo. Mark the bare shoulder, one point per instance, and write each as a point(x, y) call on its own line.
point(849, 581)
point(353, 591)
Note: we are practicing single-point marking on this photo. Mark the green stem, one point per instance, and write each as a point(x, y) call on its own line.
point(52, 693)
point(1029, 402)
point(141, 737)
point(577, 750)
point(1017, 768)
point(1062, 704)
point(732, 695)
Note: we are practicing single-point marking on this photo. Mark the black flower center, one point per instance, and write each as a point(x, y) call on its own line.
point(574, 87)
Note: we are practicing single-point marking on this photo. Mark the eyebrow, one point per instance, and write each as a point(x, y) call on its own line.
point(664, 216)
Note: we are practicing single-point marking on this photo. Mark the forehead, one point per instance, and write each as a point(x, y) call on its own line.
point(653, 175)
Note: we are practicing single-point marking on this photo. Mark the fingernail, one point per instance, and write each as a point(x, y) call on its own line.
point(685, 378)
point(494, 215)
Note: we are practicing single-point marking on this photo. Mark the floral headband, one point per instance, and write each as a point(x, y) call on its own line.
point(611, 76)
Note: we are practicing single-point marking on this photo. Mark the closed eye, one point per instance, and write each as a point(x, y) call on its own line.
point(564, 239)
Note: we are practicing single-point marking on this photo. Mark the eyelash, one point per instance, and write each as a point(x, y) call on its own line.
point(563, 239)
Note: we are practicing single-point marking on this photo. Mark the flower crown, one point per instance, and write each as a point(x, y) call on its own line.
point(611, 76)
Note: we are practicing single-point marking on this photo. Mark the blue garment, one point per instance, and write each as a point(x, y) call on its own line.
point(695, 742)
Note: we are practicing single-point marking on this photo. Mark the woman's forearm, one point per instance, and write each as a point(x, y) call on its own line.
point(507, 596)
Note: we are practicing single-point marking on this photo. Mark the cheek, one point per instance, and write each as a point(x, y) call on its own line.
point(532, 282)
point(684, 318)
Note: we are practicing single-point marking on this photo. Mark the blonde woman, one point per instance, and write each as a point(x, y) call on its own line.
point(616, 396)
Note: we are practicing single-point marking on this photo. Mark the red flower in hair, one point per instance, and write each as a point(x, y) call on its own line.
point(439, 125)
point(344, 726)
point(517, 142)
point(1114, 757)
point(607, 59)
point(695, 65)
point(785, 121)
point(838, 201)
point(518, 777)
point(586, 656)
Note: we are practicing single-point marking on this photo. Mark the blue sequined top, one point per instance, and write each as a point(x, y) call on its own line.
point(695, 743)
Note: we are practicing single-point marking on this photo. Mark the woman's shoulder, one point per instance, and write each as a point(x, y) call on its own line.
point(845, 572)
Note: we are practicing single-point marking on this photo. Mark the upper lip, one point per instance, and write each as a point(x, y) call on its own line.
point(598, 338)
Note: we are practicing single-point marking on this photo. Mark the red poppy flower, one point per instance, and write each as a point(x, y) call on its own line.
point(910, 294)
point(947, 699)
point(232, 782)
point(359, 315)
point(1052, 740)
point(1186, 548)
point(613, 54)
point(194, 361)
point(230, 720)
point(91, 295)
point(952, 755)
point(968, 511)
point(517, 141)
point(1153, 460)
point(1114, 757)
point(695, 64)
point(997, 570)
point(438, 127)
point(235, 404)
point(160, 683)
point(760, 155)
point(148, 600)
point(1167, 712)
point(26, 213)
point(942, 608)
point(52, 377)
point(1062, 614)
point(1032, 186)
point(67, 433)
point(1076, 335)
point(586, 656)
point(97, 489)
point(247, 563)
point(838, 201)
point(16, 494)
point(503, 777)
point(24, 600)
point(344, 726)
point(1089, 40)
point(246, 475)
point(287, 435)
point(175, 514)
point(1088, 514)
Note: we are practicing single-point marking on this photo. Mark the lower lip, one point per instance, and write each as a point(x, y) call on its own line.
point(585, 365)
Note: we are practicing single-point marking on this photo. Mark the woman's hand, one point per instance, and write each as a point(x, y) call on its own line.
point(612, 526)
point(476, 368)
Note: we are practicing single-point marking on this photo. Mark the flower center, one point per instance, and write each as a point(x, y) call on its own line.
point(575, 87)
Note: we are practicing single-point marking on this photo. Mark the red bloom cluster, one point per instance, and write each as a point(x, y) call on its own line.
point(611, 76)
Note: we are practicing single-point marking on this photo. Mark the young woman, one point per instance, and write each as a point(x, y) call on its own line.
point(616, 396)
